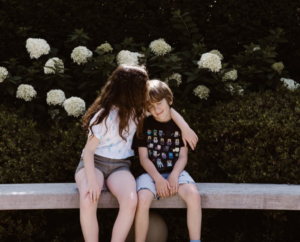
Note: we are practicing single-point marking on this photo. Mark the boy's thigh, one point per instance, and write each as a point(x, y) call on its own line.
point(185, 178)
point(146, 182)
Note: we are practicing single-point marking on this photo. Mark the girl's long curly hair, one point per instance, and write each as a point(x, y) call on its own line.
point(127, 90)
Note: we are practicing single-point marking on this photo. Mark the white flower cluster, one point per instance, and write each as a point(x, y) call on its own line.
point(210, 61)
point(202, 92)
point(256, 48)
point(159, 47)
point(278, 66)
point(235, 89)
point(290, 83)
point(230, 75)
point(218, 53)
point(106, 47)
point(26, 92)
point(175, 76)
point(55, 97)
point(81, 54)
point(54, 65)
point(74, 106)
point(128, 58)
point(3, 73)
point(37, 47)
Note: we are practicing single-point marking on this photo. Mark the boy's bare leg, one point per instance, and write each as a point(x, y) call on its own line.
point(190, 194)
point(145, 198)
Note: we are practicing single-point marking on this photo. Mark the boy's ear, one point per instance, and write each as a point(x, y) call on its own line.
point(171, 102)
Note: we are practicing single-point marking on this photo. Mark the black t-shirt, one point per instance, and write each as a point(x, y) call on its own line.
point(163, 141)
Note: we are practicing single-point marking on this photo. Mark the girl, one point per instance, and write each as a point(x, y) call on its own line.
point(111, 122)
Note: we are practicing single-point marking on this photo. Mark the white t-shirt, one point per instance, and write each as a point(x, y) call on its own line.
point(111, 144)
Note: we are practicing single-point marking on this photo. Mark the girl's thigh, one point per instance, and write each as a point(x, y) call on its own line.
point(81, 180)
point(121, 183)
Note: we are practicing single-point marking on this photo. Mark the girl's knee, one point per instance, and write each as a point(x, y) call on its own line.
point(129, 202)
point(86, 205)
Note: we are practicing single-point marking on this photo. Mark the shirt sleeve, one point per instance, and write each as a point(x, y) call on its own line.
point(99, 130)
point(140, 142)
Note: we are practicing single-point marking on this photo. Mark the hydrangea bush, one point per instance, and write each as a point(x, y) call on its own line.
point(192, 70)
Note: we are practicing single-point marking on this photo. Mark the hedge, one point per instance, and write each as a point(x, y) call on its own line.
point(252, 139)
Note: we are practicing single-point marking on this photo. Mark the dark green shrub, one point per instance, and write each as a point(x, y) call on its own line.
point(253, 139)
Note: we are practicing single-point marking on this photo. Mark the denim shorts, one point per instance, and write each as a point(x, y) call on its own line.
point(106, 165)
point(145, 181)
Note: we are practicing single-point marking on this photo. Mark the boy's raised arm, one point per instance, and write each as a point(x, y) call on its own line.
point(188, 135)
point(162, 185)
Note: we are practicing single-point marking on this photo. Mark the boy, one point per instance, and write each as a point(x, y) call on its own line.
point(163, 157)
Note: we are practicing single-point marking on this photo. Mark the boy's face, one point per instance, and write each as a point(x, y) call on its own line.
point(161, 110)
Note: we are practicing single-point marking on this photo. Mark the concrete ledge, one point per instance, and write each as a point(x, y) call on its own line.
point(213, 195)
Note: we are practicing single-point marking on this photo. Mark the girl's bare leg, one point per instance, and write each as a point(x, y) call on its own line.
point(122, 185)
point(145, 198)
point(190, 194)
point(88, 210)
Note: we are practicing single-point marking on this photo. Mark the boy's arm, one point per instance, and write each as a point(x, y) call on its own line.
point(188, 135)
point(161, 184)
point(177, 169)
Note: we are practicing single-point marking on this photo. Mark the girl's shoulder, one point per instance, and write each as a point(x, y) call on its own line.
point(113, 113)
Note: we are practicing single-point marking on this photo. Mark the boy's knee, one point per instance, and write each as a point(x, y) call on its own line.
point(193, 195)
point(144, 200)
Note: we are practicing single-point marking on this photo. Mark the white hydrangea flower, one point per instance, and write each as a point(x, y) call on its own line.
point(52, 63)
point(26, 92)
point(278, 66)
point(235, 89)
point(81, 54)
point(175, 76)
point(37, 47)
point(3, 73)
point(74, 106)
point(160, 47)
point(256, 48)
point(128, 58)
point(106, 47)
point(290, 83)
point(55, 97)
point(218, 53)
point(202, 92)
point(230, 75)
point(210, 61)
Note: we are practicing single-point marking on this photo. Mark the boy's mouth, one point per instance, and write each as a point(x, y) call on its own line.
point(159, 113)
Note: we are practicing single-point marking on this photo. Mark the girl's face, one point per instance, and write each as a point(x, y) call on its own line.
point(161, 110)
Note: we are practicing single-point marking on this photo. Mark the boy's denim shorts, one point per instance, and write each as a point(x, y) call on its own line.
point(145, 181)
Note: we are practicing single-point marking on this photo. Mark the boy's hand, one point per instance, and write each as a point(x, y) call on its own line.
point(162, 187)
point(173, 180)
point(188, 135)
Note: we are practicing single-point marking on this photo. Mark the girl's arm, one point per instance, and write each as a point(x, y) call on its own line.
point(188, 135)
point(93, 188)
point(178, 168)
point(161, 184)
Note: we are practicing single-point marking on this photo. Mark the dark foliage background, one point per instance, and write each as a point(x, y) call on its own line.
point(260, 127)
point(226, 25)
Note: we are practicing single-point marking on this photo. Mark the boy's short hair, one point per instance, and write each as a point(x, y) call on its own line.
point(158, 90)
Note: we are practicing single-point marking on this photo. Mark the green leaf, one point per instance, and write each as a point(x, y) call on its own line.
point(187, 90)
point(193, 77)
point(10, 88)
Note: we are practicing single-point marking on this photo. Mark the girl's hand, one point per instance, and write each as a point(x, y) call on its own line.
point(173, 180)
point(188, 135)
point(162, 187)
point(93, 190)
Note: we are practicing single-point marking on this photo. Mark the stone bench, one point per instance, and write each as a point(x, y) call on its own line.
point(213, 196)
